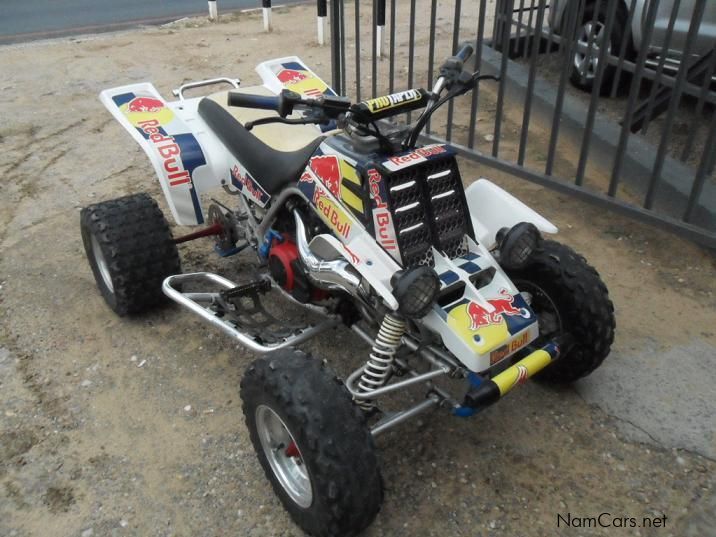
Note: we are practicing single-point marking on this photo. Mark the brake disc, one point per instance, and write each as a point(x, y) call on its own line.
point(227, 239)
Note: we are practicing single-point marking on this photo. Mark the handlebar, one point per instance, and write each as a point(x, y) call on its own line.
point(264, 102)
point(283, 103)
point(329, 106)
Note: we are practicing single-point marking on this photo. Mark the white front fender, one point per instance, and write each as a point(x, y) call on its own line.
point(492, 208)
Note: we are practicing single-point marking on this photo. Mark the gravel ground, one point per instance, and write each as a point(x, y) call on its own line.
point(132, 427)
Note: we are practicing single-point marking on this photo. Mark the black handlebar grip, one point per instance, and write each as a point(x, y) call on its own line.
point(245, 100)
point(465, 51)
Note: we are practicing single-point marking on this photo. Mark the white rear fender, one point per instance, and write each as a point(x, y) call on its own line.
point(179, 158)
point(492, 208)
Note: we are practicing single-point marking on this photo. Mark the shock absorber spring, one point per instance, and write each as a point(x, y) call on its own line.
point(380, 364)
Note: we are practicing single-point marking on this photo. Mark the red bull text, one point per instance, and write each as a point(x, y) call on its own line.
point(382, 220)
point(333, 216)
point(168, 150)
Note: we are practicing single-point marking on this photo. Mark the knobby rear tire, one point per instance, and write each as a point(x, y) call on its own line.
point(130, 250)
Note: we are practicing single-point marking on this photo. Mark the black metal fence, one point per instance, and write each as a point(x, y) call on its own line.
point(612, 101)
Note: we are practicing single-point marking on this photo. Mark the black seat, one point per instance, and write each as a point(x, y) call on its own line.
point(271, 168)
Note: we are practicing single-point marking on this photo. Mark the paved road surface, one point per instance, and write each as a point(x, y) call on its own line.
point(27, 20)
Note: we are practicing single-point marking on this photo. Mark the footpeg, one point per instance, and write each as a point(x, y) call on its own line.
point(238, 311)
point(258, 287)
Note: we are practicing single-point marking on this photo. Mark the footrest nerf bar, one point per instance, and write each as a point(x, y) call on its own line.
point(485, 392)
point(200, 303)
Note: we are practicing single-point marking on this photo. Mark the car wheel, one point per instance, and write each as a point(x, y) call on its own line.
point(590, 37)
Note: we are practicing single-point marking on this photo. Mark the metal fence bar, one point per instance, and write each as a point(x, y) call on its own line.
point(523, 34)
point(575, 11)
point(536, 31)
point(507, 25)
point(660, 68)
point(391, 76)
point(673, 105)
point(550, 36)
point(596, 92)
point(689, 231)
point(455, 41)
point(357, 48)
point(431, 49)
point(343, 46)
point(623, 49)
point(411, 50)
point(497, 22)
point(530, 85)
point(516, 42)
point(667, 80)
point(591, 36)
point(707, 162)
point(374, 49)
point(705, 90)
point(631, 102)
point(335, 49)
point(478, 65)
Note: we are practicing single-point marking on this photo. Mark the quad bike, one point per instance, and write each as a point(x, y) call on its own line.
point(453, 289)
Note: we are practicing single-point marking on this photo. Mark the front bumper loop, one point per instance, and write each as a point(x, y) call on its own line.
point(486, 392)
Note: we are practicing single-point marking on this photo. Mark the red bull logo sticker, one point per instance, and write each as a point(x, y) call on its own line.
point(142, 109)
point(291, 76)
point(145, 104)
point(488, 331)
point(302, 81)
point(480, 316)
point(328, 169)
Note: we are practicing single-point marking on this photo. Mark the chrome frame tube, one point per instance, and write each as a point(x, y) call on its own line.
point(403, 416)
point(179, 92)
point(338, 274)
point(276, 205)
point(191, 302)
point(442, 393)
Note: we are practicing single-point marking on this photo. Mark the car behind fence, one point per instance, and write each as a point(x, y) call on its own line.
point(611, 101)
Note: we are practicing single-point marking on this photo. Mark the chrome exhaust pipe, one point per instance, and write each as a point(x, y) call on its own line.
point(336, 275)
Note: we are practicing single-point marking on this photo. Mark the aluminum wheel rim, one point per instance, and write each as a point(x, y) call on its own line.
point(586, 58)
point(290, 471)
point(101, 264)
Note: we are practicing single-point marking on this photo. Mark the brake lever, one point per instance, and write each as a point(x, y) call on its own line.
point(477, 77)
point(295, 121)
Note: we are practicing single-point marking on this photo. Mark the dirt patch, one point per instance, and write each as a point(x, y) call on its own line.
point(59, 499)
point(15, 443)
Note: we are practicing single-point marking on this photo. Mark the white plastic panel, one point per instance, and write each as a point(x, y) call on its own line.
point(492, 208)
